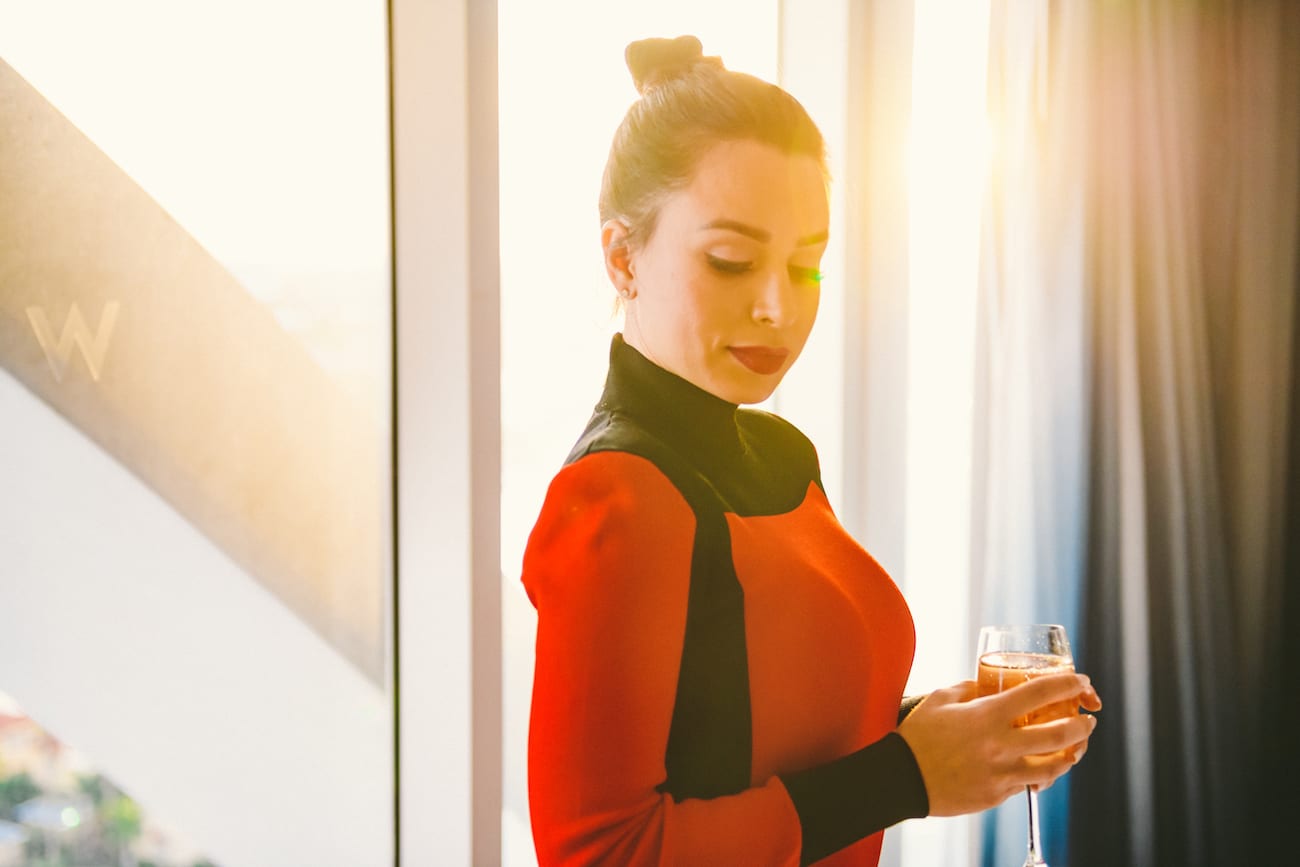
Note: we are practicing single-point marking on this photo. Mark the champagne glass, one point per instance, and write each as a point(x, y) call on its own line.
point(1012, 655)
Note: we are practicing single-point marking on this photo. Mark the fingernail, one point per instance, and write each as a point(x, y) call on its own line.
point(1084, 681)
point(1092, 721)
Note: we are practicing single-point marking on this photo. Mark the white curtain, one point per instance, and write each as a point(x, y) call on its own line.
point(1029, 505)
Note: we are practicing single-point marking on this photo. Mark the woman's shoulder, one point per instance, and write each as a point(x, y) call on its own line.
point(619, 482)
point(613, 432)
point(601, 509)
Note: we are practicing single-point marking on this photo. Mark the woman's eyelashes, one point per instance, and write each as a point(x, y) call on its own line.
point(798, 274)
point(728, 266)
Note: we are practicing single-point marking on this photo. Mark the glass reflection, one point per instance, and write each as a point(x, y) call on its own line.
point(195, 387)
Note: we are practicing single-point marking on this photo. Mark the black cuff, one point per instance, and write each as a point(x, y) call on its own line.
point(853, 797)
point(909, 704)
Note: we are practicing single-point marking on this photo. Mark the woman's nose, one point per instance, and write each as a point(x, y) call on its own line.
point(774, 302)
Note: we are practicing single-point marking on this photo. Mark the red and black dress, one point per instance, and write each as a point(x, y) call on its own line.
point(719, 664)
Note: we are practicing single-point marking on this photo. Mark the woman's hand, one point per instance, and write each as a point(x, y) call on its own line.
point(972, 755)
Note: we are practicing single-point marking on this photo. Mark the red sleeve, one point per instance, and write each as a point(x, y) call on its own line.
point(608, 568)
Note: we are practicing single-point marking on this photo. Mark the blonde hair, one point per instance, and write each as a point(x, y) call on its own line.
point(689, 103)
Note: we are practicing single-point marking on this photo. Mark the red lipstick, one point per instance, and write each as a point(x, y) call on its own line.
point(764, 360)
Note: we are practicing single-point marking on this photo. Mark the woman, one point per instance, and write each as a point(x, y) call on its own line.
point(719, 665)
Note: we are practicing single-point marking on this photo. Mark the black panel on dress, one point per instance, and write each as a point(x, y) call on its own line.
point(710, 744)
point(722, 459)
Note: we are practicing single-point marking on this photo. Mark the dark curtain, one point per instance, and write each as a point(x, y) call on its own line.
point(1193, 539)
point(1275, 801)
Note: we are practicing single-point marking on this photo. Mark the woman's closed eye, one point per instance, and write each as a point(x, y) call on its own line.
point(800, 274)
point(728, 266)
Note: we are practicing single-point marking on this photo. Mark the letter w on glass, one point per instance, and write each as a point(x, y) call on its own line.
point(75, 332)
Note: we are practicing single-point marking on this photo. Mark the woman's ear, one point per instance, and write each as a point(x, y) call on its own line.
point(615, 242)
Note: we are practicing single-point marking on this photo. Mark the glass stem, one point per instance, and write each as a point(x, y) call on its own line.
point(1035, 858)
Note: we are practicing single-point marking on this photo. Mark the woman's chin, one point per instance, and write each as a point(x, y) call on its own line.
point(749, 392)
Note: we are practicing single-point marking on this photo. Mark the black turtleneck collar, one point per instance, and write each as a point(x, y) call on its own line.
point(683, 415)
point(751, 461)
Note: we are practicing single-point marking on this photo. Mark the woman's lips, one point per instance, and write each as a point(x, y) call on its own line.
point(765, 360)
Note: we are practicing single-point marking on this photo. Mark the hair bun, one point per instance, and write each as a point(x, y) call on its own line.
point(655, 61)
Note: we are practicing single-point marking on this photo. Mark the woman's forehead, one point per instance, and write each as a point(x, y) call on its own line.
point(756, 186)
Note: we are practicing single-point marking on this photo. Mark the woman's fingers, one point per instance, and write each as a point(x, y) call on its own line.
point(1041, 691)
point(1045, 770)
point(1042, 771)
point(971, 753)
point(1009, 793)
point(1059, 734)
point(963, 691)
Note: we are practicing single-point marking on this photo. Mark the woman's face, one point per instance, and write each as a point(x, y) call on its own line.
point(725, 290)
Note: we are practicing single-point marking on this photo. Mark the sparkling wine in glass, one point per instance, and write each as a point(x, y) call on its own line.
point(1012, 655)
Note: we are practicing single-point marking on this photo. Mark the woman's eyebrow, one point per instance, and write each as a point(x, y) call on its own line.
point(762, 235)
